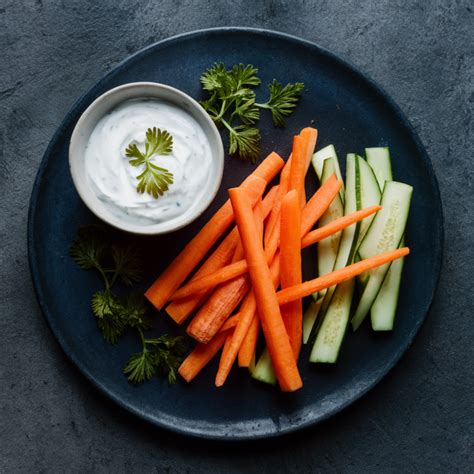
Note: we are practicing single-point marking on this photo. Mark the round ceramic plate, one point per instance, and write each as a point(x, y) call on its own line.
point(350, 111)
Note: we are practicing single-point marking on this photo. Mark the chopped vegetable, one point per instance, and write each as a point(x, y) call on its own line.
point(338, 276)
point(200, 356)
point(168, 282)
point(290, 266)
point(272, 323)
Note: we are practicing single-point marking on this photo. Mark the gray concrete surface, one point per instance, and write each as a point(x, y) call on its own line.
point(419, 419)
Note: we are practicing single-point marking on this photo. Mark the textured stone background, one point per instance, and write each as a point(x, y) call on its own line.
point(419, 419)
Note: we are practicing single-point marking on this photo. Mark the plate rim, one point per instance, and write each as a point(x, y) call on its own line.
point(35, 273)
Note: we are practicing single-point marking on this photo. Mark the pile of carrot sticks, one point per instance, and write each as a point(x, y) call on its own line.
point(253, 246)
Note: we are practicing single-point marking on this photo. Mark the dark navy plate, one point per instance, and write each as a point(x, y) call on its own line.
point(350, 111)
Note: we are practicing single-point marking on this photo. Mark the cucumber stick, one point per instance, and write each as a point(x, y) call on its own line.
point(309, 318)
point(338, 299)
point(384, 234)
point(318, 162)
point(379, 160)
point(350, 234)
point(327, 248)
point(370, 194)
point(263, 370)
point(382, 313)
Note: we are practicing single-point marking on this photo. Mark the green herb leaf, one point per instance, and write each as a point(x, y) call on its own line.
point(232, 104)
point(161, 356)
point(128, 264)
point(153, 180)
point(133, 312)
point(140, 367)
point(283, 100)
point(106, 309)
point(245, 141)
point(88, 247)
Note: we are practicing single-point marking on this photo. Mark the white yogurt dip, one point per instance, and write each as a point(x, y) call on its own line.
point(113, 179)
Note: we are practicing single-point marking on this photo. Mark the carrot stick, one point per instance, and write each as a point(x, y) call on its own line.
point(319, 203)
point(226, 297)
point(298, 166)
point(200, 356)
point(230, 323)
point(166, 284)
point(181, 309)
point(276, 337)
point(274, 218)
point(212, 315)
point(338, 276)
point(313, 210)
point(247, 350)
point(310, 136)
point(290, 267)
point(247, 313)
point(337, 225)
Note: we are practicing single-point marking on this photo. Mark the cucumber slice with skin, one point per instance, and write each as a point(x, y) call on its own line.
point(318, 162)
point(309, 318)
point(263, 370)
point(333, 324)
point(349, 235)
point(379, 160)
point(385, 233)
point(328, 248)
point(382, 313)
point(370, 194)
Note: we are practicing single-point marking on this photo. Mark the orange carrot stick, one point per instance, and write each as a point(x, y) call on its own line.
point(298, 166)
point(247, 313)
point(290, 267)
point(246, 354)
point(230, 323)
point(200, 356)
point(220, 305)
point(338, 276)
point(226, 297)
point(181, 309)
point(167, 283)
point(337, 225)
point(313, 210)
point(271, 233)
point(310, 136)
point(319, 203)
point(276, 337)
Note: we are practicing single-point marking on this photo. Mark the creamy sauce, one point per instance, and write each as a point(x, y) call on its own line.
point(113, 179)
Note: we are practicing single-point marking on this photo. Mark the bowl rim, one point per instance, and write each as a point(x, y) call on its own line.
point(174, 224)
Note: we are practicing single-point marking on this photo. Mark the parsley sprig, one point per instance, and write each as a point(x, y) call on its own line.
point(153, 179)
point(232, 104)
point(92, 249)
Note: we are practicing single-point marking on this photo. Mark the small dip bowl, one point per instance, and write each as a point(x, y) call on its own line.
point(104, 105)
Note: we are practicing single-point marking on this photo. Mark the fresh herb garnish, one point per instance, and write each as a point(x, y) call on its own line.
point(153, 179)
point(92, 249)
point(232, 104)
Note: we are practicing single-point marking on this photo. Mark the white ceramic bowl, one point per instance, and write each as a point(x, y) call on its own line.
point(105, 104)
